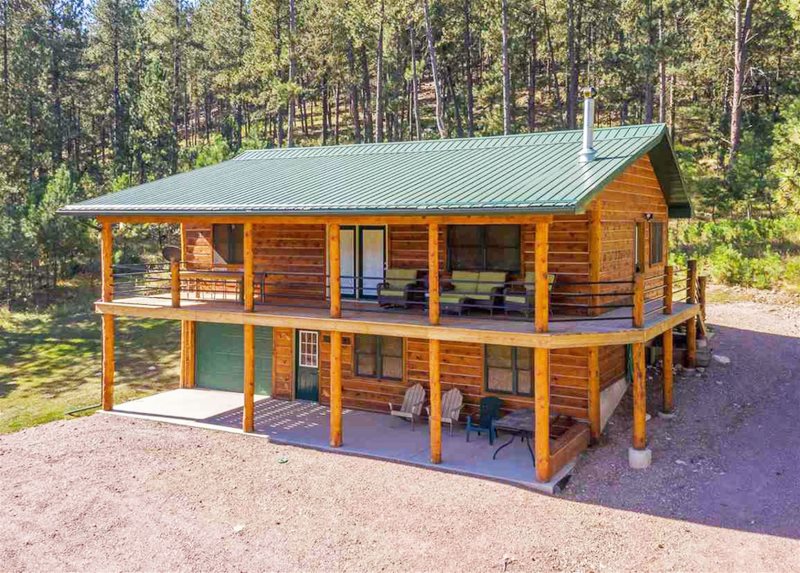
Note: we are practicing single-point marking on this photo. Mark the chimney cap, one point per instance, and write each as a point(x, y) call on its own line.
point(589, 92)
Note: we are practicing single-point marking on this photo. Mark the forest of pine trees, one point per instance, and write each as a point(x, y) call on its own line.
point(98, 95)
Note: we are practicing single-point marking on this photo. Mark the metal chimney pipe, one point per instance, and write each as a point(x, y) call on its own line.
point(588, 152)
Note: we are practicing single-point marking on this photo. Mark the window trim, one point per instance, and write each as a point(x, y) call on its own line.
point(514, 372)
point(661, 241)
point(228, 258)
point(379, 358)
point(484, 247)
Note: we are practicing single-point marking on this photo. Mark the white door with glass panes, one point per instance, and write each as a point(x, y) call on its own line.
point(362, 261)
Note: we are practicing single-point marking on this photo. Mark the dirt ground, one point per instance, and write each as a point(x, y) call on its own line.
point(106, 493)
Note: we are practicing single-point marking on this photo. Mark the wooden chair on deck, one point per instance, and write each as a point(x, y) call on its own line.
point(452, 401)
point(412, 404)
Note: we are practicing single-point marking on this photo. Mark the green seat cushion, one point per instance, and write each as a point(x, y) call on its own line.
point(480, 297)
point(401, 275)
point(465, 281)
point(392, 292)
point(512, 298)
point(488, 280)
point(450, 298)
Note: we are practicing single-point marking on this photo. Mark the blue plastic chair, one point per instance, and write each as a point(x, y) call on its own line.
point(489, 412)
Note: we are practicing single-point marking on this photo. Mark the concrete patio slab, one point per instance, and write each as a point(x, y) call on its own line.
point(305, 424)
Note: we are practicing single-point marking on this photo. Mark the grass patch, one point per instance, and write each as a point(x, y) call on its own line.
point(50, 359)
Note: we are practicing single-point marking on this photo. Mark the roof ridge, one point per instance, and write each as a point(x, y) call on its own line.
point(509, 141)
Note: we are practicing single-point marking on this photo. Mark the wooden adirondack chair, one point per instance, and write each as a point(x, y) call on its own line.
point(412, 404)
point(452, 401)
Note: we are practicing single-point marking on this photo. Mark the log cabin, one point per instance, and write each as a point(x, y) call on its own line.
point(331, 274)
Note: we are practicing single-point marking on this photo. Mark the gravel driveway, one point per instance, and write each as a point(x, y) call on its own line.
point(106, 493)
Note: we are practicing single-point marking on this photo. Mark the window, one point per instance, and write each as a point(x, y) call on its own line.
point(656, 243)
point(308, 356)
point(379, 356)
point(508, 370)
point(483, 247)
point(228, 244)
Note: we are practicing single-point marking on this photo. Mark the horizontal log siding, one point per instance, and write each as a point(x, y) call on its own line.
point(462, 368)
point(408, 247)
point(276, 249)
point(283, 363)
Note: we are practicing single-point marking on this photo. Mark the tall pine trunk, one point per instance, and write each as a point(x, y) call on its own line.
point(440, 124)
point(743, 22)
point(414, 82)
point(532, 69)
point(351, 61)
point(468, 70)
point(507, 109)
point(379, 82)
point(292, 72)
point(366, 90)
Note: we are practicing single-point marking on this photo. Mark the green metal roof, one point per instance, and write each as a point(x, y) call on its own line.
point(536, 172)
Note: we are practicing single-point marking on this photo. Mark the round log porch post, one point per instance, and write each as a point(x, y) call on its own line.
point(666, 343)
point(433, 273)
point(248, 416)
point(336, 389)
point(107, 277)
point(435, 421)
point(335, 268)
point(639, 456)
point(541, 414)
point(691, 324)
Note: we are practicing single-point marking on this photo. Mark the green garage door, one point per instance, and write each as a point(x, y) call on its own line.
point(220, 357)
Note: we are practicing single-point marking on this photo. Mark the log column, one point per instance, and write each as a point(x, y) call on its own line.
point(336, 389)
point(691, 324)
point(248, 416)
point(187, 332)
point(639, 456)
point(433, 273)
point(668, 287)
point(541, 356)
point(666, 343)
point(594, 392)
point(541, 286)
point(541, 414)
point(435, 421)
point(107, 271)
point(335, 268)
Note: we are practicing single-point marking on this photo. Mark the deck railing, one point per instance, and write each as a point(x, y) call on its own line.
point(569, 301)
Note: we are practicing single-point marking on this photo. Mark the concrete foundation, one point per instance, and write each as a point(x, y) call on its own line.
point(666, 415)
point(640, 459)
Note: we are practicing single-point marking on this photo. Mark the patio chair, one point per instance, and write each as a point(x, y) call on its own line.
point(488, 413)
point(456, 291)
point(518, 295)
point(452, 401)
point(412, 404)
point(398, 287)
point(489, 291)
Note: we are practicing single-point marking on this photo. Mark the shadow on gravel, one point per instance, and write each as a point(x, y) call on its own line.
point(731, 457)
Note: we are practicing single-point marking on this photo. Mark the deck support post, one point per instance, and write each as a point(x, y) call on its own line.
point(336, 389)
point(335, 268)
point(666, 343)
point(433, 273)
point(594, 392)
point(175, 283)
point(435, 421)
point(638, 300)
point(248, 416)
point(702, 282)
point(248, 274)
point(669, 274)
point(541, 413)
point(691, 324)
point(541, 288)
point(107, 277)
point(595, 258)
point(639, 456)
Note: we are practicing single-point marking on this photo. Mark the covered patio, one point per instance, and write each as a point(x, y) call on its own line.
point(379, 436)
